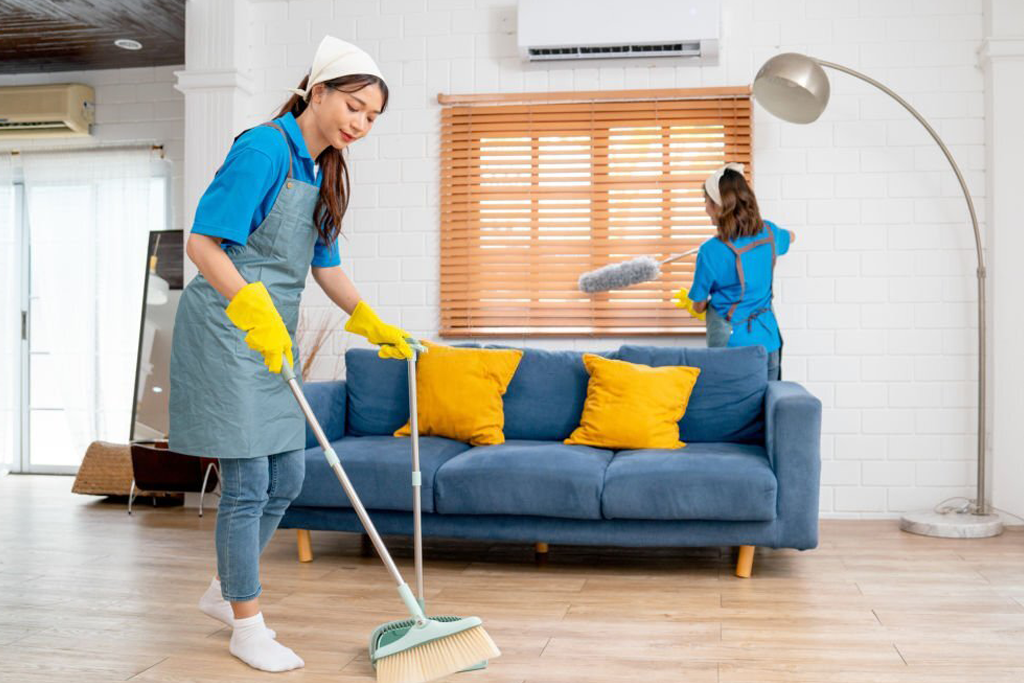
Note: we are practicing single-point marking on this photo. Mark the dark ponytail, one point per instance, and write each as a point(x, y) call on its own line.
point(335, 185)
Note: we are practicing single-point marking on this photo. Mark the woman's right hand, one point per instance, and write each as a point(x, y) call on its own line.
point(214, 265)
point(252, 311)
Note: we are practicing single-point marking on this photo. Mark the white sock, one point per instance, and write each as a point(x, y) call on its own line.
point(213, 604)
point(251, 643)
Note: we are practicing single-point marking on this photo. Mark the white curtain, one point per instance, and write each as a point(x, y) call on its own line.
point(89, 214)
point(10, 318)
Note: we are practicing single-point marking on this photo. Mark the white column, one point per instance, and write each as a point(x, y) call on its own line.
point(217, 88)
point(1002, 57)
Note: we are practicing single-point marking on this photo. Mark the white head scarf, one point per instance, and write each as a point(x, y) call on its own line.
point(711, 184)
point(336, 58)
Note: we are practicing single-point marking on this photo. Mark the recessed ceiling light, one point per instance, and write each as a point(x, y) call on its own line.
point(128, 44)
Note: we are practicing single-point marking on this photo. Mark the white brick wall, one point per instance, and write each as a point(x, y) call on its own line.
point(877, 298)
point(137, 105)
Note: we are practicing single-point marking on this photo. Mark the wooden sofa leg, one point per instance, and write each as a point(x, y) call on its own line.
point(541, 553)
point(305, 546)
point(746, 562)
point(366, 548)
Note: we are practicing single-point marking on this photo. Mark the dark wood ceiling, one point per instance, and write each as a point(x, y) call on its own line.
point(71, 35)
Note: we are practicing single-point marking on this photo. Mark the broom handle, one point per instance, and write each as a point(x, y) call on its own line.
point(417, 480)
point(332, 459)
point(676, 257)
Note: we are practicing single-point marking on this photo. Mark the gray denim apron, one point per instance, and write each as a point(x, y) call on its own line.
point(224, 403)
point(719, 327)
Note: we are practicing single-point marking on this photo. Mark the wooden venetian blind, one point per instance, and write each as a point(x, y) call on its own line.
point(537, 191)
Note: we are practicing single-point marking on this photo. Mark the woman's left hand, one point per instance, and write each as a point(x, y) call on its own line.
point(682, 299)
point(392, 339)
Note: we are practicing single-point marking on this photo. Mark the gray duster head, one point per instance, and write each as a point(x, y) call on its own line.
point(620, 275)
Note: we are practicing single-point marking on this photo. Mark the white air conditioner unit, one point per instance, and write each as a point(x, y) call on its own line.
point(44, 111)
point(562, 30)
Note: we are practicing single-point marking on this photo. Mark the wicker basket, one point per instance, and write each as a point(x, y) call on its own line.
point(106, 470)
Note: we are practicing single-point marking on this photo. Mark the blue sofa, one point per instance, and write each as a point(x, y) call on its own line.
point(749, 475)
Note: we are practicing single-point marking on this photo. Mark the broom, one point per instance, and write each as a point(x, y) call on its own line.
point(430, 649)
point(392, 631)
point(626, 274)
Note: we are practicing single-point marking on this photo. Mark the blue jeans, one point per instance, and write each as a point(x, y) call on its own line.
point(774, 365)
point(719, 331)
point(255, 492)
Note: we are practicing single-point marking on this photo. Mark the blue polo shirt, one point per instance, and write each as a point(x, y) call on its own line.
point(715, 276)
point(245, 188)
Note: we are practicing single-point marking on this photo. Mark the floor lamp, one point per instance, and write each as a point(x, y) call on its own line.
point(794, 88)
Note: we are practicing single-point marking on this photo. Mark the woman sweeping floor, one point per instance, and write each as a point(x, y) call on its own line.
point(274, 209)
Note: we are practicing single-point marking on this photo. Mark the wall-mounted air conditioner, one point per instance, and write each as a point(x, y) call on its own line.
point(561, 30)
point(43, 111)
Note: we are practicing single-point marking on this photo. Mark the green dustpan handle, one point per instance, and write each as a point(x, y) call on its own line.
point(416, 345)
point(288, 375)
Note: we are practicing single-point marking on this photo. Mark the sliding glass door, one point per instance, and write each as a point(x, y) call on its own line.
point(84, 228)
point(10, 319)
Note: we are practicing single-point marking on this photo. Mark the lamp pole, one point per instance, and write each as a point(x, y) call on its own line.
point(795, 88)
point(981, 507)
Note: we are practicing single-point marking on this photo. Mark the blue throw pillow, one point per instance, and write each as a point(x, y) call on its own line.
point(378, 393)
point(727, 404)
point(545, 398)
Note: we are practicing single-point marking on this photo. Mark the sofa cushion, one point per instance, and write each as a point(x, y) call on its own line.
point(380, 469)
point(539, 478)
point(545, 398)
point(378, 393)
point(327, 400)
point(706, 481)
point(727, 403)
point(633, 406)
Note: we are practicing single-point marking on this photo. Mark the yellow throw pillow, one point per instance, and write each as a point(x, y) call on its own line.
point(459, 393)
point(630, 405)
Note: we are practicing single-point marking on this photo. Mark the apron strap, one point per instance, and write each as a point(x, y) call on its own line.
point(271, 124)
point(770, 239)
point(743, 282)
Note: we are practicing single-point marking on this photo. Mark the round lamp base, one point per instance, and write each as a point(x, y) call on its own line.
point(951, 524)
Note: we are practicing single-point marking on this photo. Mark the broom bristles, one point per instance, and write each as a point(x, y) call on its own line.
point(437, 658)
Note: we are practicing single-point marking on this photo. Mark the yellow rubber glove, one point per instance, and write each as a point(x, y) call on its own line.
point(391, 339)
point(682, 299)
point(252, 311)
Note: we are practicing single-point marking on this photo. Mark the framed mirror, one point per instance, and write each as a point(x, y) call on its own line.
point(161, 292)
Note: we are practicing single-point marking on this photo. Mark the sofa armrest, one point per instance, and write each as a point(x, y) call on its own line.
point(793, 444)
point(328, 401)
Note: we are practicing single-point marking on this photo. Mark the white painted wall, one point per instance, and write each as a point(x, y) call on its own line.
point(877, 298)
point(133, 106)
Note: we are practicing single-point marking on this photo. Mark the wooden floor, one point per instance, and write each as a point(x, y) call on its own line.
point(90, 594)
